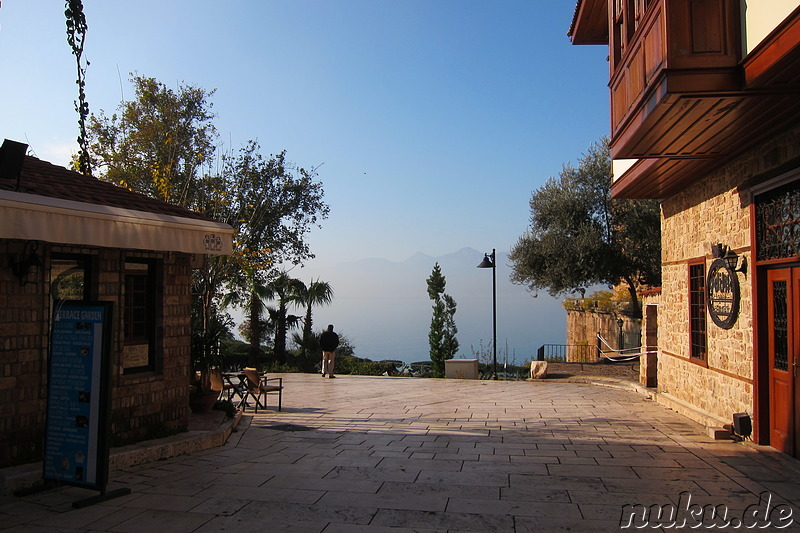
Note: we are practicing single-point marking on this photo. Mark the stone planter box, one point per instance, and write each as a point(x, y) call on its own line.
point(461, 369)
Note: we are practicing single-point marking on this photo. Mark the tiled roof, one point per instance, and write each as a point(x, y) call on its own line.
point(655, 291)
point(45, 179)
point(574, 18)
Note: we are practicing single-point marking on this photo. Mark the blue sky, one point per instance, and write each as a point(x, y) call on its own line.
point(431, 121)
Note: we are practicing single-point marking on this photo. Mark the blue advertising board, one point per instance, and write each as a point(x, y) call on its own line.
point(78, 395)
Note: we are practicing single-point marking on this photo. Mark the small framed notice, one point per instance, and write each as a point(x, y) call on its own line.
point(135, 356)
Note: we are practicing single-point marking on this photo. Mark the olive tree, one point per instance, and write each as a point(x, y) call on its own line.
point(579, 236)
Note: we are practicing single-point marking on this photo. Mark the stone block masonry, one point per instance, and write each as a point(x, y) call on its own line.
point(713, 210)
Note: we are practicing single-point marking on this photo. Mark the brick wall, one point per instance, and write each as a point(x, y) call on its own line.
point(713, 210)
point(23, 363)
point(152, 403)
point(143, 405)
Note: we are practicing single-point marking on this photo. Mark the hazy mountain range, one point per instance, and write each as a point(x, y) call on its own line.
point(383, 308)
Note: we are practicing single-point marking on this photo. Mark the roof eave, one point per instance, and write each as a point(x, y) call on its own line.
point(589, 23)
point(35, 217)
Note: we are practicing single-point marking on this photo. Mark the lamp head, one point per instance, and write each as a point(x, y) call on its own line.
point(27, 263)
point(488, 262)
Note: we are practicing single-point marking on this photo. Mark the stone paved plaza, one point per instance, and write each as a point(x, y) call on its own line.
point(378, 454)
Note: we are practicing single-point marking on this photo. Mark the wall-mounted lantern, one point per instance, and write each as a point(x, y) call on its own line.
point(26, 266)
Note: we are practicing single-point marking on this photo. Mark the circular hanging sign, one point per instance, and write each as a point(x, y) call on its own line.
point(722, 294)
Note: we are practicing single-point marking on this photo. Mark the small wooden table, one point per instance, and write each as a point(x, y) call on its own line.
point(238, 386)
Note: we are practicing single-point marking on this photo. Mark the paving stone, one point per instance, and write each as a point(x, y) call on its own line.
point(592, 471)
point(451, 521)
point(386, 500)
point(464, 478)
point(357, 528)
point(436, 463)
point(557, 482)
point(403, 455)
point(572, 524)
point(78, 520)
point(358, 473)
point(548, 509)
point(163, 520)
point(241, 525)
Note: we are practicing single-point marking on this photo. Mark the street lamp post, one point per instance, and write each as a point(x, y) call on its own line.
point(489, 261)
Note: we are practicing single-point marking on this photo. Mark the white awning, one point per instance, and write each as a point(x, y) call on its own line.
point(41, 218)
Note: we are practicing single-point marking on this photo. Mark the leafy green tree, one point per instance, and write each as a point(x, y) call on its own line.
point(579, 236)
point(157, 142)
point(161, 143)
point(442, 335)
point(272, 206)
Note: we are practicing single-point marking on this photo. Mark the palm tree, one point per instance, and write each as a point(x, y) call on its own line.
point(317, 293)
point(285, 290)
point(252, 301)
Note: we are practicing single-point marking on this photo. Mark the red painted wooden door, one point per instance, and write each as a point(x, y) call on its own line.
point(783, 303)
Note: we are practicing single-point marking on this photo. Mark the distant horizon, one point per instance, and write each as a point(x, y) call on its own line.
point(391, 321)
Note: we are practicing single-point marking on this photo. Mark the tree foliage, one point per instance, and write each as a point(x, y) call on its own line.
point(285, 290)
point(271, 204)
point(580, 237)
point(251, 296)
point(161, 143)
point(314, 294)
point(442, 335)
point(156, 143)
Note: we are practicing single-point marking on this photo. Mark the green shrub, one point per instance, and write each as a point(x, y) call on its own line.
point(226, 406)
point(349, 364)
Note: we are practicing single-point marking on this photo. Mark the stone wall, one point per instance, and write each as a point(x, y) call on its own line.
point(584, 322)
point(713, 210)
point(143, 405)
point(648, 363)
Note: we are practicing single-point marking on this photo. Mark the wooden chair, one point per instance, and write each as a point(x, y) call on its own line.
point(219, 384)
point(258, 387)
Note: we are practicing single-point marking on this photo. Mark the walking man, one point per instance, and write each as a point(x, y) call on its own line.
point(328, 341)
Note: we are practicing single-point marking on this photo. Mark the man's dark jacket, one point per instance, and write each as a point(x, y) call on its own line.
point(328, 341)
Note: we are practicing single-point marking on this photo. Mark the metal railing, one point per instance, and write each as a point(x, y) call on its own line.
point(583, 353)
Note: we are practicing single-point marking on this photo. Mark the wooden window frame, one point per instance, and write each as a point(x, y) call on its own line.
point(698, 314)
point(145, 306)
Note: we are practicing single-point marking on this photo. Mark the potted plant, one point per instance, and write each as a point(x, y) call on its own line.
point(209, 326)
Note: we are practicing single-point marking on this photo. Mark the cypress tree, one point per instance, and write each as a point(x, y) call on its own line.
point(442, 336)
